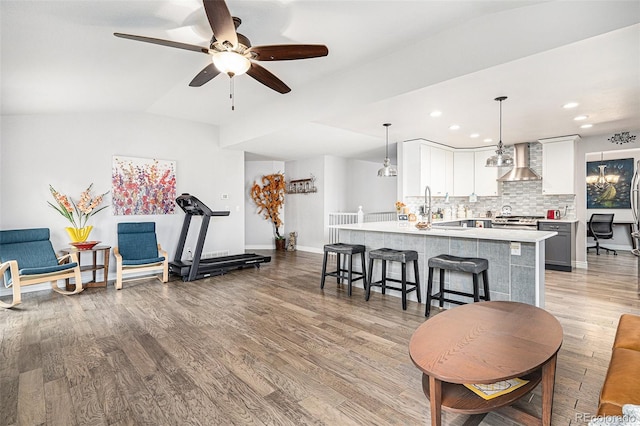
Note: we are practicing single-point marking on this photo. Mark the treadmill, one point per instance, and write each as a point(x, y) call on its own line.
point(199, 268)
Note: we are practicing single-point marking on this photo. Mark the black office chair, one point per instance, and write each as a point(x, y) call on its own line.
point(600, 227)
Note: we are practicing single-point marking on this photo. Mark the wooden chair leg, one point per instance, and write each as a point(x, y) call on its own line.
point(368, 293)
point(384, 276)
point(350, 272)
point(364, 270)
point(476, 289)
point(404, 286)
point(416, 274)
point(441, 304)
point(324, 270)
point(485, 283)
point(427, 309)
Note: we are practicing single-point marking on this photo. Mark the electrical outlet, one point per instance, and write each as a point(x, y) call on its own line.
point(516, 249)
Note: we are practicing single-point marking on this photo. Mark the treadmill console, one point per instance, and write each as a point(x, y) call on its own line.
point(192, 206)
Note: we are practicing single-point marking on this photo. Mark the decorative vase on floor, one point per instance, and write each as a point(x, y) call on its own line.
point(79, 234)
point(280, 243)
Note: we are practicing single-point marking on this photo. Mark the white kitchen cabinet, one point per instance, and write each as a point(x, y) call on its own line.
point(485, 178)
point(439, 175)
point(411, 169)
point(558, 165)
point(463, 173)
point(424, 164)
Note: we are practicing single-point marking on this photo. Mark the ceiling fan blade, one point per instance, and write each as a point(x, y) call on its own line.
point(221, 21)
point(207, 73)
point(284, 52)
point(161, 42)
point(267, 78)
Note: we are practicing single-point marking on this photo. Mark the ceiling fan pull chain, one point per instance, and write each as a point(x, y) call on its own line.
point(233, 104)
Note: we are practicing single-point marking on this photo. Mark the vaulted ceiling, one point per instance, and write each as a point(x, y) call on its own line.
point(389, 61)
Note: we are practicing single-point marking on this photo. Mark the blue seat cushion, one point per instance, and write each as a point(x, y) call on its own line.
point(138, 262)
point(137, 242)
point(47, 269)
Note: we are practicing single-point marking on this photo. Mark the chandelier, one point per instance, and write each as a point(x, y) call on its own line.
point(602, 180)
point(620, 138)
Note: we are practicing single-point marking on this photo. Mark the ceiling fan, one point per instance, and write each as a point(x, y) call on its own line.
point(232, 53)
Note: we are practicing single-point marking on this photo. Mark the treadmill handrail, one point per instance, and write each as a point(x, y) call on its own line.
point(192, 206)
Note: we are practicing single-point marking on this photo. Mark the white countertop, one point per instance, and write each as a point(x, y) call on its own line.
point(517, 235)
point(559, 220)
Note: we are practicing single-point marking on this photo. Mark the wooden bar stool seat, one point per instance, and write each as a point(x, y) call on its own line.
point(472, 265)
point(342, 273)
point(391, 255)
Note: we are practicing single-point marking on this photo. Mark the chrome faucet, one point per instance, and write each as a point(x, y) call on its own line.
point(426, 207)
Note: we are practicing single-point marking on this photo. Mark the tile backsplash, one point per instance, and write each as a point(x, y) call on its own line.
point(524, 197)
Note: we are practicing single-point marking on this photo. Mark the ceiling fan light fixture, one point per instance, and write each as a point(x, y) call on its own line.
point(230, 63)
point(387, 169)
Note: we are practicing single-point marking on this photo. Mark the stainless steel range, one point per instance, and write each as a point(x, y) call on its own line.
point(516, 222)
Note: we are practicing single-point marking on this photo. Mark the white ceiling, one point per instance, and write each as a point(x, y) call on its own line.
point(389, 61)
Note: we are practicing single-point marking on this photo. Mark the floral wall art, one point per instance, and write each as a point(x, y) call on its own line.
point(143, 186)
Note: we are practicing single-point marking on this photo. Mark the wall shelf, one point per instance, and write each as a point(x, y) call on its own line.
point(302, 186)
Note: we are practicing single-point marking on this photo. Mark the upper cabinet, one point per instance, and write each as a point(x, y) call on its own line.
point(446, 170)
point(471, 176)
point(486, 178)
point(463, 173)
point(424, 164)
point(558, 165)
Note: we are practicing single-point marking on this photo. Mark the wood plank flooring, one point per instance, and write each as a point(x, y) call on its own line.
point(267, 346)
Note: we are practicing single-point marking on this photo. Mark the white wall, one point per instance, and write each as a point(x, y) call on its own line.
point(70, 151)
point(366, 189)
point(259, 233)
point(305, 212)
point(589, 149)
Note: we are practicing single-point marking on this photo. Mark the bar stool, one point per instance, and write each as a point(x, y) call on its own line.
point(391, 255)
point(340, 273)
point(473, 265)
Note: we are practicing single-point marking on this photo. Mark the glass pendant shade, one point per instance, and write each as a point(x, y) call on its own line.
point(231, 63)
point(602, 180)
point(501, 159)
point(387, 169)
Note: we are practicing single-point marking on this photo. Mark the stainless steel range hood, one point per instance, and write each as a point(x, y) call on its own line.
point(521, 170)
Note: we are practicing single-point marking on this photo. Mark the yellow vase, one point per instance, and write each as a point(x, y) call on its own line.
point(78, 235)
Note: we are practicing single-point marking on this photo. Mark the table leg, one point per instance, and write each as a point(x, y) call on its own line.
point(435, 397)
point(548, 382)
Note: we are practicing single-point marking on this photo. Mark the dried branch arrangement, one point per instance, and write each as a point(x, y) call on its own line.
point(270, 198)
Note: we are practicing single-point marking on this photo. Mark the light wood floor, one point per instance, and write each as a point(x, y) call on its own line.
point(267, 346)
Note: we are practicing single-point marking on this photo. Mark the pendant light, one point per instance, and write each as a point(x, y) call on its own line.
point(387, 169)
point(500, 159)
point(602, 180)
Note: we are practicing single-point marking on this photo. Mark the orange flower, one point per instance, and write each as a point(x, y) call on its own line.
point(84, 209)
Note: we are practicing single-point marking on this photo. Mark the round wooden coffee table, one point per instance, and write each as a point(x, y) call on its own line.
point(484, 343)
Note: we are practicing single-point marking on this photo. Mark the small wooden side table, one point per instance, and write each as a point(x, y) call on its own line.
point(94, 267)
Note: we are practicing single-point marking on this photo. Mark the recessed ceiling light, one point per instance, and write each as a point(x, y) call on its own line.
point(436, 113)
point(487, 140)
point(474, 135)
point(586, 126)
point(581, 117)
point(570, 105)
point(454, 127)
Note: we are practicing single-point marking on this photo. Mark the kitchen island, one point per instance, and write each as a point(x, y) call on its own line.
point(516, 257)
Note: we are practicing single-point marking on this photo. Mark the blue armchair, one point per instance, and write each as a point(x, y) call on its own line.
point(138, 251)
point(28, 257)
